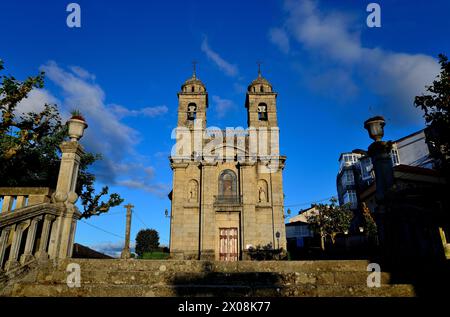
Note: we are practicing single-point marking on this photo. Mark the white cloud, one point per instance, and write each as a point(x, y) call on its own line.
point(394, 77)
point(106, 134)
point(150, 112)
point(279, 37)
point(222, 106)
point(113, 249)
point(158, 189)
point(82, 73)
point(228, 68)
point(35, 101)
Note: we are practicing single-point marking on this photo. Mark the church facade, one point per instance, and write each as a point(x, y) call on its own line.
point(227, 194)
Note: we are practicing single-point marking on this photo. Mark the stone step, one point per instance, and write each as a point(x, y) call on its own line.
point(38, 290)
point(213, 278)
point(217, 266)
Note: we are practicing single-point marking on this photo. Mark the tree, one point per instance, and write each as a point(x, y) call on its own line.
point(147, 240)
point(370, 226)
point(436, 106)
point(330, 220)
point(29, 147)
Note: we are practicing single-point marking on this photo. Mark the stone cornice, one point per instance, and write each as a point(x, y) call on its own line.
point(72, 147)
point(175, 165)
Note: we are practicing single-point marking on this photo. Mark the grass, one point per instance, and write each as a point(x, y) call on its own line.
point(156, 255)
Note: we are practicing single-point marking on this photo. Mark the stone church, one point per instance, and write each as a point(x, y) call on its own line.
point(227, 195)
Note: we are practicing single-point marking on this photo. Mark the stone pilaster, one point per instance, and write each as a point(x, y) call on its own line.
point(248, 190)
point(208, 191)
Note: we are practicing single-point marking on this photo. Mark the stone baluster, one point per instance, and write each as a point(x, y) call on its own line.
point(21, 201)
point(15, 245)
point(31, 238)
point(7, 203)
point(42, 254)
point(4, 238)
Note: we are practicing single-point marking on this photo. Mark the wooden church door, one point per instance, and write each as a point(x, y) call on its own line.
point(228, 244)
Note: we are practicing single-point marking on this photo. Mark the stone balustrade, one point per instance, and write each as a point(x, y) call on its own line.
point(39, 223)
point(12, 198)
point(28, 234)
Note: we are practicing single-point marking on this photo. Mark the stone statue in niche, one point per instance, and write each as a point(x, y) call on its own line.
point(193, 190)
point(262, 194)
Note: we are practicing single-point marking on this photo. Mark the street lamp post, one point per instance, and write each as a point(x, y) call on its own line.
point(380, 154)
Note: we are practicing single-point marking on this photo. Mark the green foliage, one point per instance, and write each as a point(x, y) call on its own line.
point(370, 226)
point(266, 253)
point(156, 255)
point(436, 106)
point(76, 114)
point(147, 240)
point(331, 219)
point(29, 147)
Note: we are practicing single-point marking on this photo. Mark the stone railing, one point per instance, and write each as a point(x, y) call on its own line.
point(12, 198)
point(40, 223)
point(27, 234)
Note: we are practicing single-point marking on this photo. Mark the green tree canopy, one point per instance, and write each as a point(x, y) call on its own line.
point(147, 240)
point(436, 106)
point(29, 146)
point(330, 219)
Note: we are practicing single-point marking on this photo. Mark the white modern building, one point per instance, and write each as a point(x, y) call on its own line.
point(356, 170)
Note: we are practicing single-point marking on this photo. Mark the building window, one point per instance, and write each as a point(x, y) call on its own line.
point(192, 111)
point(348, 178)
point(348, 159)
point(366, 168)
point(351, 198)
point(262, 112)
point(394, 156)
point(227, 184)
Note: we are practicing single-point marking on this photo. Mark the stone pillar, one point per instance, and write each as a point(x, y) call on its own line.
point(380, 154)
point(65, 228)
point(31, 238)
point(42, 254)
point(126, 248)
point(15, 245)
point(4, 238)
point(65, 197)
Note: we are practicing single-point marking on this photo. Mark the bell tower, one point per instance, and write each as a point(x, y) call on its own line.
point(261, 103)
point(192, 102)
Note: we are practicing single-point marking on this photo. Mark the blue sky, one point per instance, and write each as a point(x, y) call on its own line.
point(126, 63)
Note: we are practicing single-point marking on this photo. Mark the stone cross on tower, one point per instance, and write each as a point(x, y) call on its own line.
point(259, 68)
point(194, 68)
point(126, 248)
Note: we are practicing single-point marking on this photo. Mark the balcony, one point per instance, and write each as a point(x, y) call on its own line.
point(224, 200)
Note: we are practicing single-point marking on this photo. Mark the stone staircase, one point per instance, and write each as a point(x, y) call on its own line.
point(203, 278)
